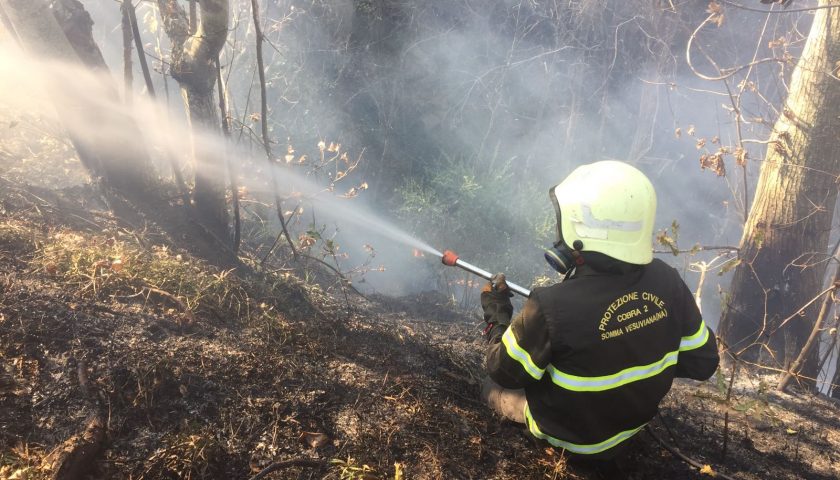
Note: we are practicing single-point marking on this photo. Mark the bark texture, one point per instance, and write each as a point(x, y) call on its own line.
point(60, 31)
point(785, 239)
point(193, 66)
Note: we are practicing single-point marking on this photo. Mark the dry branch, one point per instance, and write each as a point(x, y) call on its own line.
point(264, 125)
point(74, 458)
point(685, 458)
point(300, 462)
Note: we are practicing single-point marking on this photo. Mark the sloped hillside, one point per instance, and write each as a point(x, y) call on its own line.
point(125, 355)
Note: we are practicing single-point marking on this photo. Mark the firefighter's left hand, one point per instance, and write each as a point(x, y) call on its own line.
point(495, 301)
point(497, 283)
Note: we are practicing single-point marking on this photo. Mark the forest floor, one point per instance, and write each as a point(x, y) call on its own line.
point(198, 373)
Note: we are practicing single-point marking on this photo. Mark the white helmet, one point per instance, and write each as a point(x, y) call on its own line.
point(607, 207)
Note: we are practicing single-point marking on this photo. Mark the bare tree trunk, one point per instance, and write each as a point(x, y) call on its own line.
point(193, 66)
point(60, 31)
point(128, 77)
point(835, 389)
point(785, 238)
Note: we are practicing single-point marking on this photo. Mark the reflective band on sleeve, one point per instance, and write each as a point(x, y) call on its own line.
point(520, 355)
point(697, 340)
point(574, 447)
point(607, 382)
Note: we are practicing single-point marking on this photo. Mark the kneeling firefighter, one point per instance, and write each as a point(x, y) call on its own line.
point(587, 361)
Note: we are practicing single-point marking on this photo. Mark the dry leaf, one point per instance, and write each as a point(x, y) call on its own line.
point(707, 470)
point(117, 265)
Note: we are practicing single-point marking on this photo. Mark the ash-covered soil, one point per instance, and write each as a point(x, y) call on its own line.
point(194, 385)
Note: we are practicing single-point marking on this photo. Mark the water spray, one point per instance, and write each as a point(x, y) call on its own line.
point(451, 258)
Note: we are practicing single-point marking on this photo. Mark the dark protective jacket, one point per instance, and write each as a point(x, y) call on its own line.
point(598, 352)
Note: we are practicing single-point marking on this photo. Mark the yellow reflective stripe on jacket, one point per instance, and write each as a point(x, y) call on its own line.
point(606, 382)
point(574, 447)
point(697, 340)
point(520, 355)
point(628, 375)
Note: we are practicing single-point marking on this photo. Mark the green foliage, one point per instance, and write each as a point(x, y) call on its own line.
point(490, 216)
point(349, 469)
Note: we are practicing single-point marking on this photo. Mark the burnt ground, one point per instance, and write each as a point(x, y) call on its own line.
point(221, 378)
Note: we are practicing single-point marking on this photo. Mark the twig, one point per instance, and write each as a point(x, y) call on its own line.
point(138, 44)
point(335, 270)
point(177, 301)
point(298, 462)
point(150, 89)
point(128, 77)
point(726, 413)
point(792, 10)
point(729, 72)
point(234, 183)
point(824, 309)
point(700, 248)
point(264, 125)
point(794, 367)
point(685, 458)
point(801, 309)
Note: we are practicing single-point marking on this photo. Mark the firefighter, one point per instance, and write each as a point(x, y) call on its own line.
point(587, 361)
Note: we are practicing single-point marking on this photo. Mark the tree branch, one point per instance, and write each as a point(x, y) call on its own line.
point(264, 126)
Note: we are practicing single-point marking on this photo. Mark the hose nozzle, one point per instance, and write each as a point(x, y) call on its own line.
point(449, 258)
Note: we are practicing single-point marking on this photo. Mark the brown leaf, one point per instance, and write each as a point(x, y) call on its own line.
point(741, 156)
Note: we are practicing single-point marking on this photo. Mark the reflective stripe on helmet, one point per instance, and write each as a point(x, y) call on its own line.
point(590, 221)
point(520, 355)
point(697, 340)
point(574, 447)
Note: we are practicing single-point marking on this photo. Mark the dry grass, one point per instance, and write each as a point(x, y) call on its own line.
point(115, 265)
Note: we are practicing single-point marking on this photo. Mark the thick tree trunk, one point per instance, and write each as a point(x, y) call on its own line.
point(60, 31)
point(786, 235)
point(193, 66)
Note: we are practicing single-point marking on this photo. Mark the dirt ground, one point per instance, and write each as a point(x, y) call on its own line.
point(222, 378)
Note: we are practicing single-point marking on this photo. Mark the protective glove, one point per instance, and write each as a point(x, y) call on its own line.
point(495, 301)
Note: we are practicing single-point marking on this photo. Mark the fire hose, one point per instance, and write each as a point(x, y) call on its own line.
point(451, 259)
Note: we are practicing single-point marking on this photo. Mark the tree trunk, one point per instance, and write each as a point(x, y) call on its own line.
point(60, 31)
point(193, 66)
point(785, 239)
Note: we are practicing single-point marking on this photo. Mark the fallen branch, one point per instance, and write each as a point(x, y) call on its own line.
point(685, 458)
point(74, 458)
point(172, 298)
point(299, 462)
